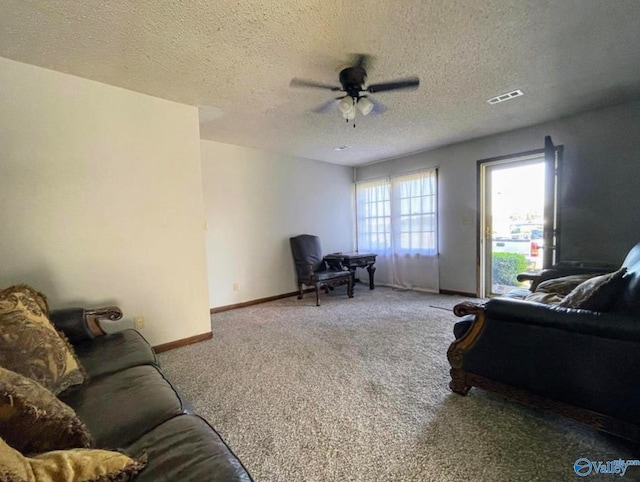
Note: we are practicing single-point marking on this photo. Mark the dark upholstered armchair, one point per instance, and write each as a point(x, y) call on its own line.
point(580, 362)
point(312, 270)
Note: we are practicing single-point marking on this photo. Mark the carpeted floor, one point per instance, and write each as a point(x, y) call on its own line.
point(357, 390)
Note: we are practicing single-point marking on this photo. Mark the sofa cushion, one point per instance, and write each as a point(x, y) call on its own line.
point(32, 419)
point(120, 407)
point(30, 345)
point(187, 448)
point(597, 293)
point(115, 352)
point(76, 465)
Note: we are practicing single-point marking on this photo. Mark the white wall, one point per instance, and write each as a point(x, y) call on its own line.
point(598, 194)
point(101, 199)
point(255, 201)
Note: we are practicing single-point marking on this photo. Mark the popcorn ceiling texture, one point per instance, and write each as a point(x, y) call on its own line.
point(238, 57)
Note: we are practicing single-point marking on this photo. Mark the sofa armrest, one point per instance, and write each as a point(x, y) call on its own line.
point(533, 277)
point(79, 324)
point(606, 325)
point(575, 362)
point(509, 310)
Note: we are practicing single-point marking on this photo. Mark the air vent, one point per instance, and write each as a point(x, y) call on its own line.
point(501, 98)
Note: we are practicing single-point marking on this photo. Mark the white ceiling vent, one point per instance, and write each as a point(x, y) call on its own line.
point(501, 98)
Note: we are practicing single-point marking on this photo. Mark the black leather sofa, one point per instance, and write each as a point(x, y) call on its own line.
point(128, 404)
point(579, 363)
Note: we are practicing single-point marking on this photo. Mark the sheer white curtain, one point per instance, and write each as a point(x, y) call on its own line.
point(397, 220)
point(415, 230)
point(374, 225)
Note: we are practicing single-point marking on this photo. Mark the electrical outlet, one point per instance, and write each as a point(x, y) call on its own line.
point(138, 322)
point(235, 287)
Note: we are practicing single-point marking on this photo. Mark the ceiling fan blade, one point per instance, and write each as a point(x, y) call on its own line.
point(295, 82)
point(378, 108)
point(326, 106)
point(410, 83)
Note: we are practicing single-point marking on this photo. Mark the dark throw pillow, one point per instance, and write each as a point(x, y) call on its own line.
point(33, 420)
point(596, 294)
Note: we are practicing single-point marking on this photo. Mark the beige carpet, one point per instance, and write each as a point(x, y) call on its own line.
point(357, 390)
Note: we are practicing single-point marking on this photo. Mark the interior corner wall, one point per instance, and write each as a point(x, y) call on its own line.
point(598, 193)
point(101, 199)
point(254, 202)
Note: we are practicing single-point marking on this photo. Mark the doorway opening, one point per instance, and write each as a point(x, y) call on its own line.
point(519, 216)
point(512, 208)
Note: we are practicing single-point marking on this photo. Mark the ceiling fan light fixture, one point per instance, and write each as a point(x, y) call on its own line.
point(365, 106)
point(350, 114)
point(353, 93)
point(346, 105)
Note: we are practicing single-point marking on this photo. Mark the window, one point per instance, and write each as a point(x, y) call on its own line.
point(398, 215)
point(374, 216)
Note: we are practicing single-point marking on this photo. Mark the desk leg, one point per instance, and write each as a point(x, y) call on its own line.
point(371, 269)
point(353, 276)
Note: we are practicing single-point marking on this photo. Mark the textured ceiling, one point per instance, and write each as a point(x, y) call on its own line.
point(235, 58)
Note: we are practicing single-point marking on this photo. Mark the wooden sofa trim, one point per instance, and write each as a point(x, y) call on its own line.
point(458, 347)
point(462, 381)
point(94, 317)
point(599, 421)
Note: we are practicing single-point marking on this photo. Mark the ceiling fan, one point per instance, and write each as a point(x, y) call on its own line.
point(352, 84)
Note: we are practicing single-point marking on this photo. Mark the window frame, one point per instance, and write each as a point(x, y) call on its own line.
point(403, 191)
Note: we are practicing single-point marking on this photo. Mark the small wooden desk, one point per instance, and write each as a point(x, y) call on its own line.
point(353, 261)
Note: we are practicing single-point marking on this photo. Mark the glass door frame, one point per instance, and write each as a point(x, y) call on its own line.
point(553, 156)
point(484, 234)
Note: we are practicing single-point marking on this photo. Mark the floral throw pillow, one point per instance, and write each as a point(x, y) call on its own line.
point(545, 298)
point(564, 285)
point(553, 291)
point(30, 345)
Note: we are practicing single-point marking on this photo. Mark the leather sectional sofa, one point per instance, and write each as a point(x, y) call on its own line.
point(128, 404)
point(581, 363)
